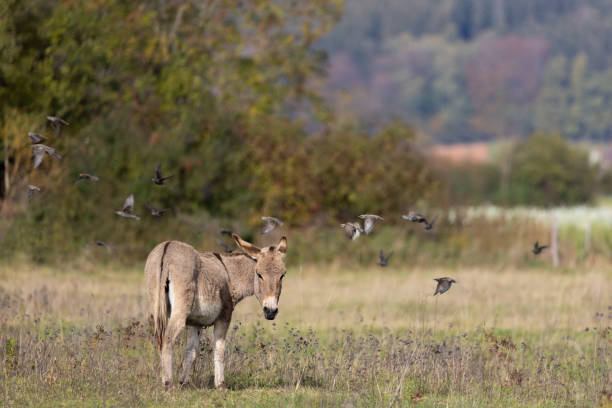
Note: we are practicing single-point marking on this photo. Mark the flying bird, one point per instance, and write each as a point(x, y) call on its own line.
point(352, 229)
point(85, 176)
point(155, 212)
point(227, 232)
point(537, 249)
point(57, 122)
point(418, 218)
point(35, 137)
point(223, 245)
point(108, 247)
point(384, 260)
point(31, 190)
point(369, 221)
point(444, 284)
point(159, 179)
point(429, 225)
point(128, 208)
point(39, 153)
point(270, 224)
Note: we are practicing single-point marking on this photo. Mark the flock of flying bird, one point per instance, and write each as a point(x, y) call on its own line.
point(352, 229)
point(127, 210)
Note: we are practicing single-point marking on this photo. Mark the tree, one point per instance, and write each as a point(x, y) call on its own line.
point(546, 171)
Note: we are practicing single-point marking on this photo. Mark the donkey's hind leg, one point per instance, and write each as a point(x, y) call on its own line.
point(176, 322)
point(191, 352)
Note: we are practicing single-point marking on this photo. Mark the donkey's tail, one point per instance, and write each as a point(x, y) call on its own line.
point(157, 272)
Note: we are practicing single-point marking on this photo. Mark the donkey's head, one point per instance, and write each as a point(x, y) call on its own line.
point(269, 272)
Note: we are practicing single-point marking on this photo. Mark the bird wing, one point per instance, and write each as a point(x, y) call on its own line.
point(158, 171)
point(381, 256)
point(268, 227)
point(39, 154)
point(223, 245)
point(368, 224)
point(272, 220)
point(389, 255)
point(357, 226)
point(36, 137)
point(128, 205)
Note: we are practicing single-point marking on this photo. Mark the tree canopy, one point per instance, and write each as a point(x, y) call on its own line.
point(219, 93)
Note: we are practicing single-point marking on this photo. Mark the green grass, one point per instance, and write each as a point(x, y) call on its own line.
point(343, 338)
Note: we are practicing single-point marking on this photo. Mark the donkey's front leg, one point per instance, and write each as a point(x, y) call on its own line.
point(220, 332)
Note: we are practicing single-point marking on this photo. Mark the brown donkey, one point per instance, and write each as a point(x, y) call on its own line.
point(200, 289)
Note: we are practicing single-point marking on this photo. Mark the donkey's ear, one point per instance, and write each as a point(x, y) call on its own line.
point(250, 249)
point(282, 245)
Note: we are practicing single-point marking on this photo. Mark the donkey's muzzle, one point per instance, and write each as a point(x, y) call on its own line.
point(270, 313)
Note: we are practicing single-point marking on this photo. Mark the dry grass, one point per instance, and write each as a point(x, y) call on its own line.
point(372, 337)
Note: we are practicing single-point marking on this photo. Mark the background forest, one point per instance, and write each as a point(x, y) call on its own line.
point(477, 69)
point(314, 112)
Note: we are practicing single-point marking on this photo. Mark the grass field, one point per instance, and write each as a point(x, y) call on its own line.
point(346, 338)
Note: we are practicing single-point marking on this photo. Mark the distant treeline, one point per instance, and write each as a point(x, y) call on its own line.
point(476, 69)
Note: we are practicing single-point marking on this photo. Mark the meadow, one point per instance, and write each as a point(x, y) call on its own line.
point(345, 336)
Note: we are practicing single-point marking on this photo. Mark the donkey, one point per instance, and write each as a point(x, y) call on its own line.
point(200, 289)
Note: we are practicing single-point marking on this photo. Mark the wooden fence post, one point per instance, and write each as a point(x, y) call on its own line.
point(554, 242)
